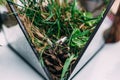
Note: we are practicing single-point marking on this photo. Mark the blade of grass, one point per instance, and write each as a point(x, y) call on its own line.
point(66, 66)
point(58, 24)
point(73, 8)
point(51, 15)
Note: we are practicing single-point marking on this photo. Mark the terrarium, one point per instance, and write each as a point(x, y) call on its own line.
point(56, 33)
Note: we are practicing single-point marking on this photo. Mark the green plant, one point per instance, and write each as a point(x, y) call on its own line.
point(66, 66)
point(48, 22)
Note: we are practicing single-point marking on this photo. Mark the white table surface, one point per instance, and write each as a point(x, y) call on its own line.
point(12, 67)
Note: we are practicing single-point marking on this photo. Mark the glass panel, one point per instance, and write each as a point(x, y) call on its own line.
point(58, 31)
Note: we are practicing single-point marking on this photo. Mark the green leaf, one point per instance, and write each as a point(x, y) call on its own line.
point(86, 33)
point(87, 15)
point(77, 42)
point(66, 66)
point(79, 38)
point(74, 7)
point(51, 15)
point(76, 33)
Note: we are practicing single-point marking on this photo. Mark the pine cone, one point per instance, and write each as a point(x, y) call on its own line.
point(54, 59)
